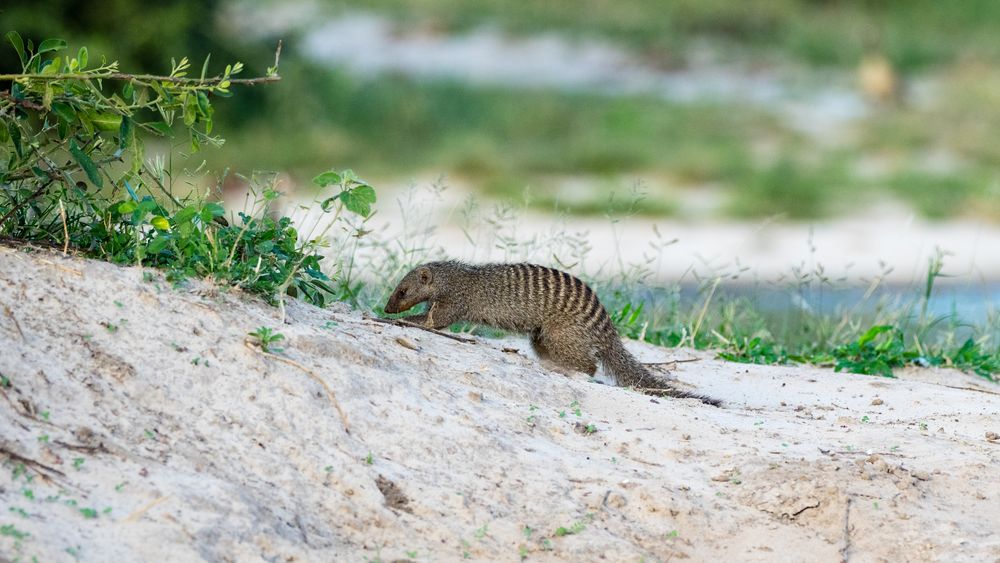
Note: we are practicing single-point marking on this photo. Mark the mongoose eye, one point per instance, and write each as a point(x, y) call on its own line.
point(401, 293)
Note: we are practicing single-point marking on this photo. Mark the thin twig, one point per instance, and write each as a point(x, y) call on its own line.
point(24, 103)
point(971, 389)
point(403, 323)
point(215, 80)
point(135, 516)
point(277, 55)
point(100, 448)
point(17, 325)
point(40, 468)
point(684, 361)
point(329, 392)
point(845, 550)
point(62, 213)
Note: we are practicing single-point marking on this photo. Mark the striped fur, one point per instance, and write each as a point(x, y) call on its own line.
point(563, 316)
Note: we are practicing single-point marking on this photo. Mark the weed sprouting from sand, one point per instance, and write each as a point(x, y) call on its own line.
point(532, 417)
point(266, 338)
point(89, 513)
point(11, 531)
point(574, 528)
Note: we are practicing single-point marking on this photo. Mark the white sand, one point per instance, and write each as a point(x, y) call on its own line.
point(201, 447)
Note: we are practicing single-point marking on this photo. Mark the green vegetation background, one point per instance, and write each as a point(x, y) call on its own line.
point(499, 140)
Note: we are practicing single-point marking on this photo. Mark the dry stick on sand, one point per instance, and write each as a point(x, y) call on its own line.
point(40, 468)
point(135, 516)
point(329, 392)
point(17, 325)
point(681, 361)
point(972, 389)
point(401, 322)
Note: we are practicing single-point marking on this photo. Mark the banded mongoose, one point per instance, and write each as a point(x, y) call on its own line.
point(567, 323)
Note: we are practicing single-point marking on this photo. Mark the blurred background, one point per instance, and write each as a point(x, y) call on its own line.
point(842, 139)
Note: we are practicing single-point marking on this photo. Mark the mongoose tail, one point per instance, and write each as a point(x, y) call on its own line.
point(628, 372)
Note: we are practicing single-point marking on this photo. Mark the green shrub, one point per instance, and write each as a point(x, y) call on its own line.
point(74, 173)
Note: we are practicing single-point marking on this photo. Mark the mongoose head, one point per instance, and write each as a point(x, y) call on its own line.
point(415, 288)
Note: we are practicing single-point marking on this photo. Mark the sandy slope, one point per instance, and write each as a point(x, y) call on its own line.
point(145, 404)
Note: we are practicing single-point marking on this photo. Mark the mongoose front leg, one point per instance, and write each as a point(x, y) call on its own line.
point(439, 315)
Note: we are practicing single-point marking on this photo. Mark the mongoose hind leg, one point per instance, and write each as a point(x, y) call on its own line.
point(538, 346)
point(568, 348)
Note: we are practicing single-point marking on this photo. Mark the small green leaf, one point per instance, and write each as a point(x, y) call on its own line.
point(107, 121)
point(872, 334)
point(160, 222)
point(160, 127)
point(51, 45)
point(52, 66)
point(158, 244)
point(65, 111)
point(88, 165)
point(127, 207)
point(190, 110)
point(327, 179)
point(15, 135)
point(212, 210)
point(125, 132)
point(15, 40)
point(82, 57)
point(204, 66)
point(185, 215)
point(204, 106)
point(85, 122)
point(359, 199)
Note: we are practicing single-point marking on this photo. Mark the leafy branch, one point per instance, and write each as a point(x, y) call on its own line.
point(73, 172)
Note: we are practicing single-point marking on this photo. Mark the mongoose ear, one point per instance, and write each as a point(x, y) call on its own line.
point(424, 275)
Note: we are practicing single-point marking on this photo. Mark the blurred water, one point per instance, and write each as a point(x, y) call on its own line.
point(959, 303)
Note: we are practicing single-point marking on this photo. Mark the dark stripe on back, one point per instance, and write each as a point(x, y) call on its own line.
point(579, 294)
point(567, 300)
point(519, 282)
point(548, 289)
point(592, 313)
point(536, 285)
